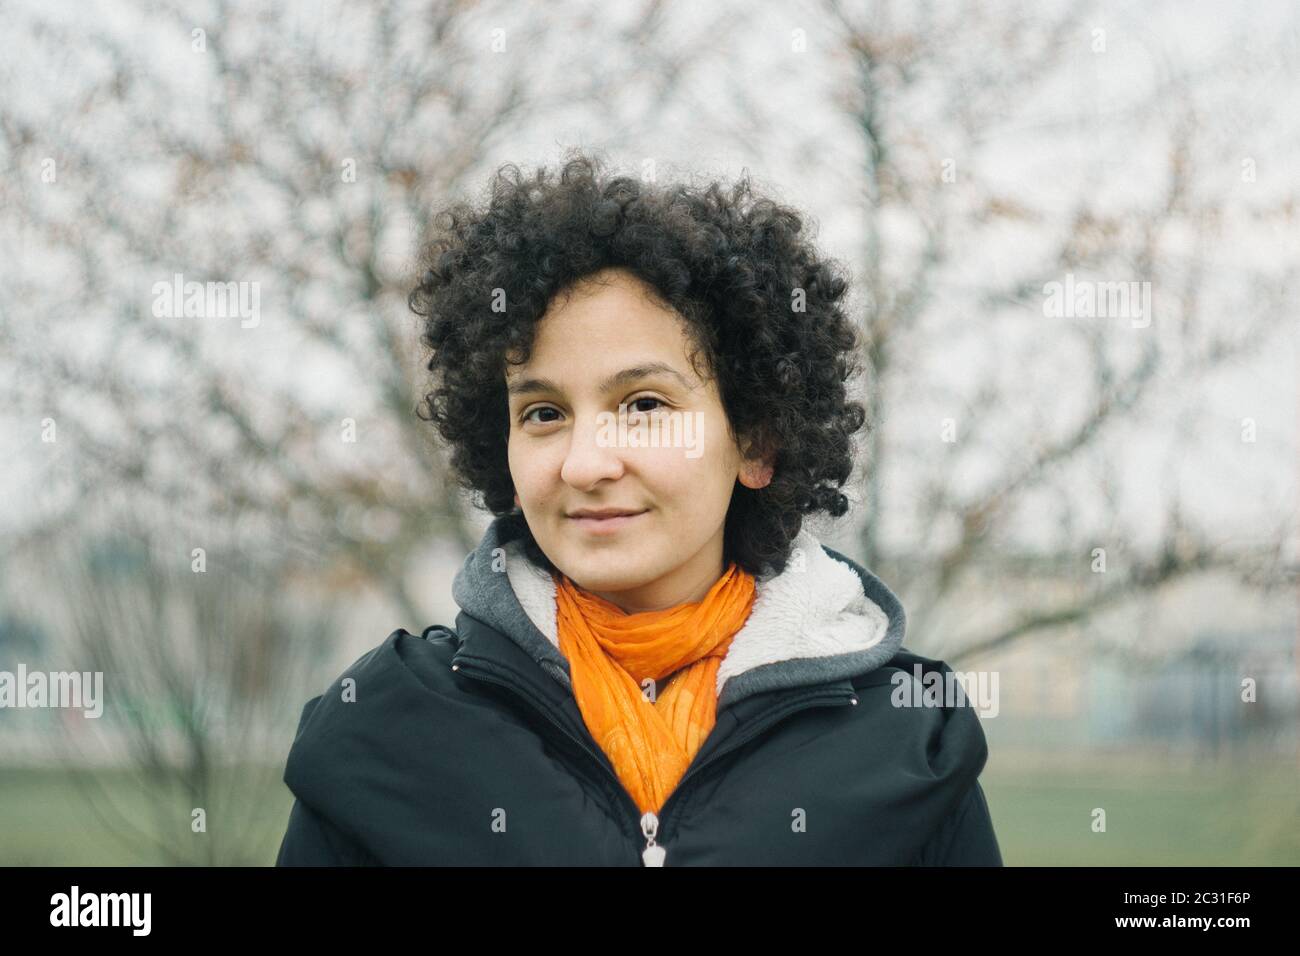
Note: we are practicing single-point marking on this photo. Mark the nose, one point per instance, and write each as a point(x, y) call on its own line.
point(591, 456)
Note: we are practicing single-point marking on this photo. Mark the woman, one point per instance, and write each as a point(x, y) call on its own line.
point(654, 663)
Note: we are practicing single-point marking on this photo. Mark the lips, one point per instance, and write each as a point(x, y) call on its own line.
point(604, 521)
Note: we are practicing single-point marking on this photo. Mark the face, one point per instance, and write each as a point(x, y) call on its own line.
point(669, 465)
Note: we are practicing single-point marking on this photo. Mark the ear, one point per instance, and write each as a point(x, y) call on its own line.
point(756, 472)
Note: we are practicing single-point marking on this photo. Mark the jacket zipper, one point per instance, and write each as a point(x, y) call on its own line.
point(652, 854)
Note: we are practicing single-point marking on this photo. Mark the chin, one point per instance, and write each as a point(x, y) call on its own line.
point(604, 571)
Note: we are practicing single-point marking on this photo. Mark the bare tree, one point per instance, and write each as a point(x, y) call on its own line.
point(953, 272)
point(300, 151)
point(205, 668)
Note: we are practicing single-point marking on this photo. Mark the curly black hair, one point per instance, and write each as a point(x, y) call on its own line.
point(762, 307)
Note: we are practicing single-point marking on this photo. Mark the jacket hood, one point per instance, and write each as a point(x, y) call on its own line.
point(823, 618)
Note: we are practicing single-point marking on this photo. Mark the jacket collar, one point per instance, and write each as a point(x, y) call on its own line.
point(823, 620)
point(485, 649)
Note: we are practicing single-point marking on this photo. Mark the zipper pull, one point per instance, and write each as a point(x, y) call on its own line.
point(653, 854)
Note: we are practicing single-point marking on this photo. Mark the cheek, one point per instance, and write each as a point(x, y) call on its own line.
point(533, 469)
point(694, 483)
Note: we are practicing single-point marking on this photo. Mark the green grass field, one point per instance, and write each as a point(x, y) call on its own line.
point(1216, 815)
point(107, 818)
point(1223, 815)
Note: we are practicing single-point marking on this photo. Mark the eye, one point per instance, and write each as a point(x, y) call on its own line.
point(632, 405)
point(540, 408)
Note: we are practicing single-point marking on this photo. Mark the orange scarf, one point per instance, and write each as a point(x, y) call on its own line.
point(611, 652)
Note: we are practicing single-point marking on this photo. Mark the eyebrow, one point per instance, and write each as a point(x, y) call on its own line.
point(608, 384)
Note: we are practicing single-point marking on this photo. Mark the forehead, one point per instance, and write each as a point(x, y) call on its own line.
point(609, 319)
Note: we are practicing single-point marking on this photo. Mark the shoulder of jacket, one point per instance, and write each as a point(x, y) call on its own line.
point(903, 664)
point(922, 699)
point(392, 694)
point(389, 666)
point(403, 647)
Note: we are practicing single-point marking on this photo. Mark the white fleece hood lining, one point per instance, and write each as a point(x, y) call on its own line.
point(816, 607)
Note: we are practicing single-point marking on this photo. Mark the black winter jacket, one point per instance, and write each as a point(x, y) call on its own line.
point(466, 746)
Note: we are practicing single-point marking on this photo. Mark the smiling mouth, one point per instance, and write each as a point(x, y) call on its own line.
point(605, 524)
